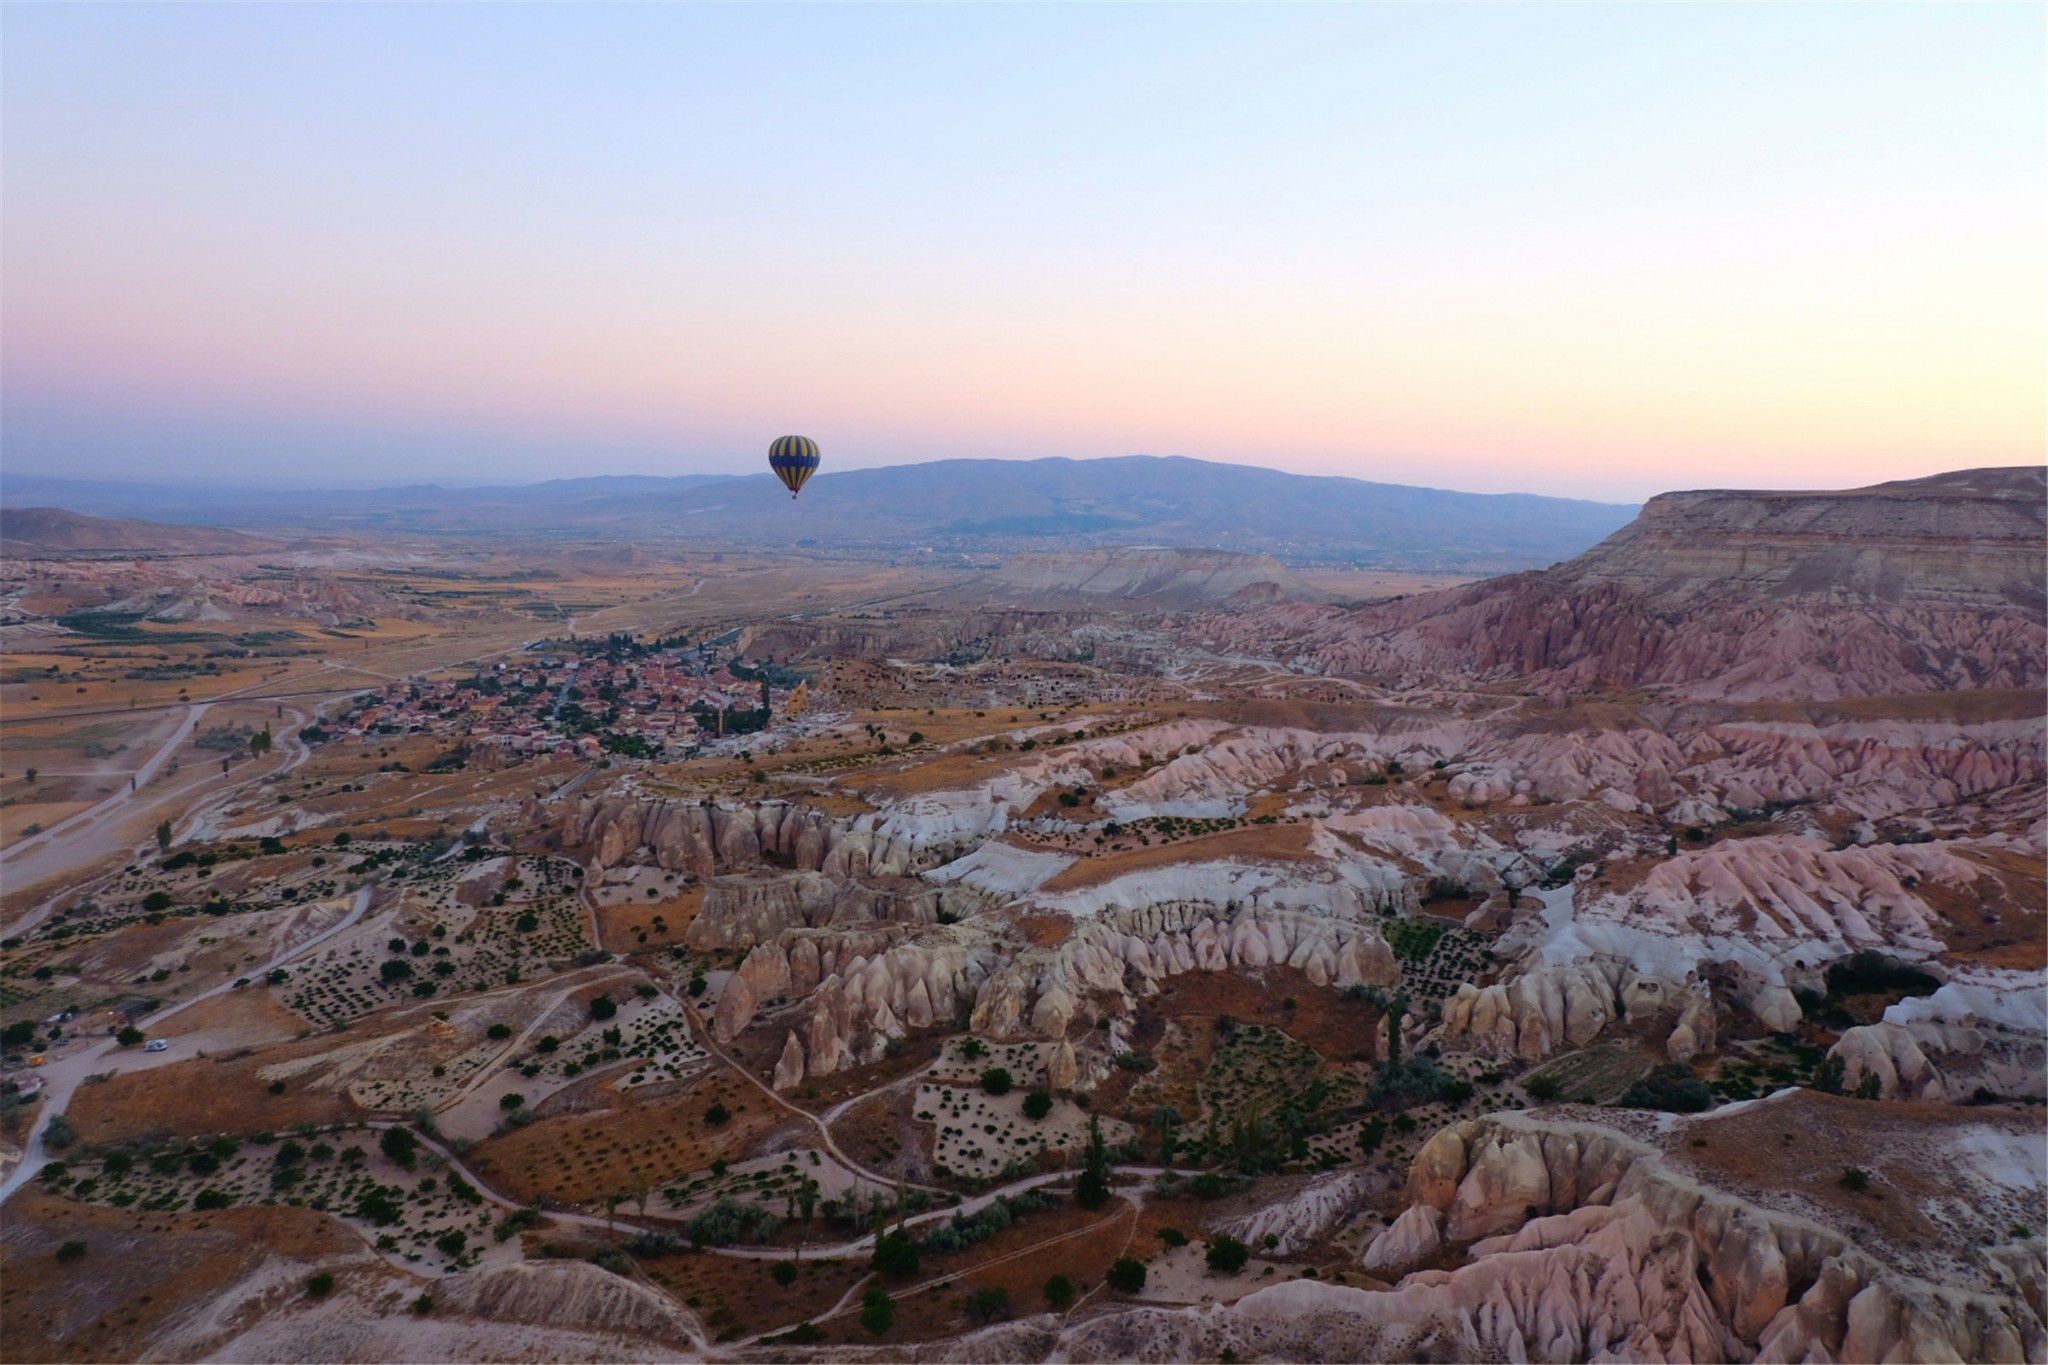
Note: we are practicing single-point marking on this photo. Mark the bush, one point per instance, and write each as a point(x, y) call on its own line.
point(1173, 1237)
point(1126, 1276)
point(322, 1284)
point(498, 1032)
point(129, 1037)
point(18, 1034)
point(1135, 1060)
point(400, 1145)
point(1037, 1105)
point(1543, 1089)
point(603, 1007)
point(728, 1220)
point(996, 1081)
point(452, 1243)
point(1855, 1179)
point(1673, 1089)
point(211, 1199)
point(1059, 1291)
point(377, 1206)
point(71, 1251)
point(877, 1312)
point(59, 1134)
point(989, 1303)
point(895, 1254)
point(1227, 1255)
point(1871, 973)
point(717, 1115)
point(423, 1305)
point(784, 1273)
point(510, 1102)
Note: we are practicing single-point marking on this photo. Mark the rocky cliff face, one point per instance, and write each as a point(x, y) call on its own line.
point(1907, 587)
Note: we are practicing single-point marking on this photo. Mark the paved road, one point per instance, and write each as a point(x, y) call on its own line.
point(62, 1078)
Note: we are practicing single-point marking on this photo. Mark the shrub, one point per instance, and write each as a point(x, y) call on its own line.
point(1059, 1291)
point(1855, 1179)
point(603, 1007)
point(717, 1115)
point(784, 1273)
point(423, 1305)
point(996, 1081)
point(1126, 1276)
point(1543, 1088)
point(498, 1032)
point(510, 1102)
point(59, 1134)
point(211, 1199)
point(71, 1251)
point(1673, 1089)
point(1037, 1105)
point(1173, 1237)
point(989, 1303)
point(728, 1220)
point(877, 1312)
point(1870, 972)
point(1135, 1060)
point(321, 1284)
point(400, 1145)
point(895, 1254)
point(377, 1206)
point(129, 1037)
point(452, 1243)
point(1227, 1255)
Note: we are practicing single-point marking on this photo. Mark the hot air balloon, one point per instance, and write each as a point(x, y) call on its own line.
point(794, 459)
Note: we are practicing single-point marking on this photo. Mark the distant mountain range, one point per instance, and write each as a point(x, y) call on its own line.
point(949, 506)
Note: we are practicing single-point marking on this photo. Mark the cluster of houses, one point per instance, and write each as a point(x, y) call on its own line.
point(665, 702)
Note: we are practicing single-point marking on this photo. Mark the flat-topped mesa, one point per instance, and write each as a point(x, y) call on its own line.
point(1150, 576)
point(1926, 585)
point(1972, 538)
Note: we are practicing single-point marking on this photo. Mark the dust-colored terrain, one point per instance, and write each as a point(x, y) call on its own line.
point(587, 951)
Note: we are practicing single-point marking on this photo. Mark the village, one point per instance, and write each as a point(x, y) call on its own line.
point(594, 699)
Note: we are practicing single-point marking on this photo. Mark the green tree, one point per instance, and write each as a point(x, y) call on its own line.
point(877, 1312)
point(1037, 1105)
point(1091, 1191)
point(163, 834)
point(400, 1145)
point(319, 1285)
point(1227, 1255)
point(1126, 1276)
point(988, 1303)
point(1059, 1291)
point(896, 1255)
point(996, 1081)
point(129, 1036)
point(784, 1273)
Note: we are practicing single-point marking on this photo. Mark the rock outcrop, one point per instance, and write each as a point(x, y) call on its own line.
point(1922, 585)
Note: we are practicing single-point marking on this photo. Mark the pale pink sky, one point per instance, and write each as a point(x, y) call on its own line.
point(1597, 252)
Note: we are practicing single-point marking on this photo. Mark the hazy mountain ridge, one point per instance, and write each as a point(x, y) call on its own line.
point(970, 506)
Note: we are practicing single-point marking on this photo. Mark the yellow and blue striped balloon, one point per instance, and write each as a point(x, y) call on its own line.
point(794, 459)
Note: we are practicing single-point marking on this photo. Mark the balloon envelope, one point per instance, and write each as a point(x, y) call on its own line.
point(794, 459)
